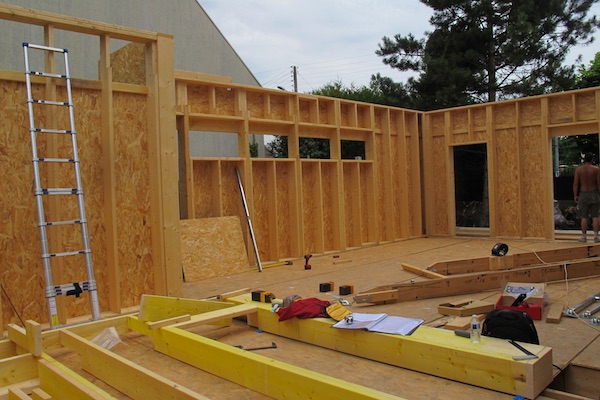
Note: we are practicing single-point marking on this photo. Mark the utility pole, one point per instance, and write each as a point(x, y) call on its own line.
point(295, 76)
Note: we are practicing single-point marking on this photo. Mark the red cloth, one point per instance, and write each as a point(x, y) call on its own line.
point(303, 309)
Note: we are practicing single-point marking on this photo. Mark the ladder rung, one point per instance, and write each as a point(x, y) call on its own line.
point(47, 74)
point(70, 222)
point(58, 160)
point(48, 48)
point(50, 102)
point(66, 253)
point(46, 130)
point(58, 191)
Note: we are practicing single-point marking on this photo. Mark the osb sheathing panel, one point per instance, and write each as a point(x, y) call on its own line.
point(329, 183)
point(507, 182)
point(440, 193)
point(438, 126)
point(212, 247)
point(231, 199)
point(531, 112)
point(560, 109)
point(129, 64)
point(352, 219)
point(381, 188)
point(22, 274)
point(479, 117)
point(413, 216)
point(363, 119)
point(206, 193)
point(304, 110)
point(133, 212)
point(505, 115)
point(326, 112)
point(460, 121)
point(480, 136)
point(310, 204)
point(366, 177)
point(225, 101)
point(21, 268)
point(256, 104)
point(284, 179)
point(533, 180)
point(197, 96)
point(345, 115)
point(397, 170)
point(278, 107)
point(261, 202)
point(585, 103)
point(459, 138)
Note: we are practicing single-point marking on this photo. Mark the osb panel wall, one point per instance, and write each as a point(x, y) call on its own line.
point(310, 204)
point(533, 187)
point(328, 185)
point(507, 182)
point(22, 275)
point(22, 271)
point(206, 202)
point(260, 203)
point(284, 179)
point(132, 197)
point(129, 64)
point(440, 177)
point(212, 247)
point(518, 135)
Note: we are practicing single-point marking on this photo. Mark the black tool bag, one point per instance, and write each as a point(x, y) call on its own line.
point(509, 324)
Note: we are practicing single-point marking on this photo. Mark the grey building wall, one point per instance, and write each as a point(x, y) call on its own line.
point(199, 45)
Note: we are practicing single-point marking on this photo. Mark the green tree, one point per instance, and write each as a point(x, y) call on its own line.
point(491, 49)
point(590, 77)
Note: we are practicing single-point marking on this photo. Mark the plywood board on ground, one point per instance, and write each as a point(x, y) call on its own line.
point(212, 247)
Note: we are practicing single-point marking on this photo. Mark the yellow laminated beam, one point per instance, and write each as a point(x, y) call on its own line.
point(438, 352)
point(120, 373)
point(158, 308)
point(63, 383)
point(262, 374)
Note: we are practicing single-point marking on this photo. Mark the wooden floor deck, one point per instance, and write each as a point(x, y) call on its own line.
point(574, 341)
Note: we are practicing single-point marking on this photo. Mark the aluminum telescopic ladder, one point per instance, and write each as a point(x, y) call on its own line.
point(40, 192)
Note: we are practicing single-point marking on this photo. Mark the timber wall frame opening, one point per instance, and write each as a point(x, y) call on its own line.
point(140, 179)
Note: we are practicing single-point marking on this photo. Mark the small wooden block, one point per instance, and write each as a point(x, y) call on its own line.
point(554, 314)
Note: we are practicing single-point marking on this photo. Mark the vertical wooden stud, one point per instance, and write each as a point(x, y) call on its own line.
point(109, 179)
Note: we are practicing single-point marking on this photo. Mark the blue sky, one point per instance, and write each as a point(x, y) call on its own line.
point(327, 40)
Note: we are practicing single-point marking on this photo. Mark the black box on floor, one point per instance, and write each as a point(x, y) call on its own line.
point(326, 287)
point(346, 289)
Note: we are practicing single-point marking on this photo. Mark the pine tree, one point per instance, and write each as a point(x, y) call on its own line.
point(492, 49)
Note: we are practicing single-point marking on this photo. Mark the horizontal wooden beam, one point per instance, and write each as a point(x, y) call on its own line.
point(63, 383)
point(421, 272)
point(262, 374)
point(127, 377)
point(481, 281)
point(17, 369)
point(438, 352)
point(158, 308)
point(73, 24)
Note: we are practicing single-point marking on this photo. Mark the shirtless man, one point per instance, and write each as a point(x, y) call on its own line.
point(587, 197)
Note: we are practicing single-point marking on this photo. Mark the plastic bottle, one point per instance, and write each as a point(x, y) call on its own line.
point(475, 329)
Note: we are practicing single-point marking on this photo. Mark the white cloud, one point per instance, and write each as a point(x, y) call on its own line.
point(327, 39)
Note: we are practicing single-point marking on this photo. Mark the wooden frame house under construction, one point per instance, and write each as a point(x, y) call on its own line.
point(145, 194)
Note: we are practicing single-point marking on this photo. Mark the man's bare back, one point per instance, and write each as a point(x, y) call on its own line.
point(587, 179)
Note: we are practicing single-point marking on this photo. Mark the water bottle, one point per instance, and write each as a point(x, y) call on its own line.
point(475, 329)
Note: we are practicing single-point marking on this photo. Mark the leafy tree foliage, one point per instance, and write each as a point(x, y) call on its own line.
point(484, 50)
point(590, 76)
